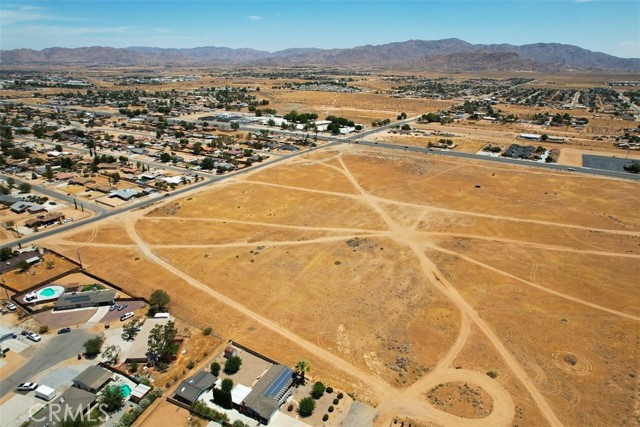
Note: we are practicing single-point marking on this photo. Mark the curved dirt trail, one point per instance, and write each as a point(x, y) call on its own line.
point(380, 387)
point(436, 279)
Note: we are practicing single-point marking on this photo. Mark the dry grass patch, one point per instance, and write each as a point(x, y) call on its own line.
point(504, 191)
point(315, 289)
point(535, 326)
point(38, 273)
point(605, 280)
point(256, 203)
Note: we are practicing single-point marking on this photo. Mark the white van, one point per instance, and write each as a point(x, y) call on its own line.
point(161, 316)
point(126, 316)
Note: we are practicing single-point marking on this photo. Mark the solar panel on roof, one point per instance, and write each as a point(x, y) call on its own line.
point(278, 384)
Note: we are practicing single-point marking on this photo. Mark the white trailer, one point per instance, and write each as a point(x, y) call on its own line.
point(46, 393)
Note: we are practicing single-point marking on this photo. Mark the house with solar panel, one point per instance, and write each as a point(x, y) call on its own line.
point(267, 395)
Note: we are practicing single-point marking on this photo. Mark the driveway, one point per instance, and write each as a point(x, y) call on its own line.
point(59, 348)
point(360, 415)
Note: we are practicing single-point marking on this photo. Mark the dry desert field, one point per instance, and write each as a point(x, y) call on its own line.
point(445, 291)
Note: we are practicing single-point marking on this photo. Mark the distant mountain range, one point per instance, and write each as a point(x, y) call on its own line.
point(446, 54)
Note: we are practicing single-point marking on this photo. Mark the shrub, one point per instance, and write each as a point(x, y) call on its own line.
point(340, 396)
point(493, 374)
point(290, 407)
point(232, 365)
point(317, 390)
point(93, 347)
point(207, 331)
point(130, 417)
point(306, 406)
point(201, 408)
point(331, 408)
point(215, 368)
point(227, 385)
point(133, 367)
point(191, 364)
point(43, 329)
point(325, 417)
point(336, 401)
point(329, 390)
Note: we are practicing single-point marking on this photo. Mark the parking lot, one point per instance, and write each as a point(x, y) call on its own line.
point(607, 163)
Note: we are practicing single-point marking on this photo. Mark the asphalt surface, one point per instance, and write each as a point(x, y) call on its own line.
point(608, 163)
point(59, 348)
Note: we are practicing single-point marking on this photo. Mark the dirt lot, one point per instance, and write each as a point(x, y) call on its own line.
point(38, 273)
point(324, 256)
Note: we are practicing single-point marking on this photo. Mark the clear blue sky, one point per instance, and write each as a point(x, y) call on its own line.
point(606, 26)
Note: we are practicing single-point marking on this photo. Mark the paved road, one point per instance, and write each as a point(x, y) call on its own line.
point(59, 348)
point(61, 196)
point(553, 166)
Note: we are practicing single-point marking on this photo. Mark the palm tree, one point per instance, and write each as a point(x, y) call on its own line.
point(302, 367)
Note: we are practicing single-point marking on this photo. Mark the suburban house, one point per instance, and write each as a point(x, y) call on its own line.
point(71, 300)
point(30, 257)
point(193, 387)
point(20, 207)
point(126, 194)
point(72, 401)
point(43, 220)
point(92, 379)
point(266, 396)
point(81, 181)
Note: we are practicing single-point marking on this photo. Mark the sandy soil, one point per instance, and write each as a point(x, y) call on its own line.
point(515, 276)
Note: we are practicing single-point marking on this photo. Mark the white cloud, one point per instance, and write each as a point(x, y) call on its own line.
point(255, 17)
point(13, 14)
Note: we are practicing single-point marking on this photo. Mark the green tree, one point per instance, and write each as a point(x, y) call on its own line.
point(544, 137)
point(25, 187)
point(235, 125)
point(162, 341)
point(207, 163)
point(93, 346)
point(232, 365)
point(317, 390)
point(165, 157)
point(215, 368)
point(111, 398)
point(226, 385)
point(306, 406)
point(302, 367)
point(158, 301)
point(23, 266)
point(111, 354)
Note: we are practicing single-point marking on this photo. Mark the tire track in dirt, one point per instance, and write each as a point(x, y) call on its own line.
point(381, 388)
point(535, 285)
point(504, 409)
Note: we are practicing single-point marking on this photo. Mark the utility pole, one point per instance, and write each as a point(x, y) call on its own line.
point(80, 259)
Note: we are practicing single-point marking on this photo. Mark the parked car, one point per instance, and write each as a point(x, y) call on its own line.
point(126, 316)
point(64, 330)
point(113, 306)
point(27, 387)
point(122, 307)
point(33, 336)
point(11, 307)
